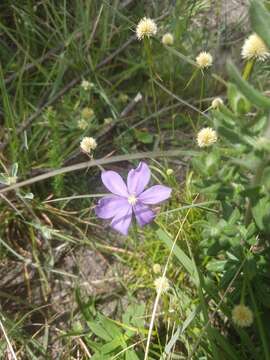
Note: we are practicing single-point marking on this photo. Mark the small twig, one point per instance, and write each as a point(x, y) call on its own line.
point(179, 99)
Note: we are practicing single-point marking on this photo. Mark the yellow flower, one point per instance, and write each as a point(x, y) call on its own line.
point(242, 315)
point(87, 144)
point(82, 124)
point(254, 48)
point(162, 283)
point(204, 60)
point(206, 137)
point(216, 103)
point(87, 113)
point(146, 28)
point(167, 39)
point(156, 268)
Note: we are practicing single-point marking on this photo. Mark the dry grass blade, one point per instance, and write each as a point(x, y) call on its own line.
point(91, 163)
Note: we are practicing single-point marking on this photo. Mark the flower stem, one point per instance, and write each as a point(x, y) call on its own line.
point(135, 234)
point(243, 291)
point(248, 69)
point(194, 74)
point(150, 66)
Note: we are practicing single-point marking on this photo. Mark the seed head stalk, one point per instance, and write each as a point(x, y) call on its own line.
point(150, 62)
point(193, 76)
point(248, 69)
point(201, 92)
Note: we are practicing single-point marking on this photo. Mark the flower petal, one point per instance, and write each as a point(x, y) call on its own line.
point(155, 194)
point(114, 183)
point(144, 215)
point(122, 219)
point(108, 206)
point(138, 178)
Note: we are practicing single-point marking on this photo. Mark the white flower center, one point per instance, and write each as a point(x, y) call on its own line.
point(132, 199)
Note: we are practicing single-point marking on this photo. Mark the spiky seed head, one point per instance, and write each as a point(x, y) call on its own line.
point(82, 124)
point(254, 48)
point(242, 315)
point(162, 283)
point(88, 144)
point(167, 39)
point(146, 28)
point(156, 268)
point(87, 113)
point(204, 60)
point(206, 137)
point(216, 103)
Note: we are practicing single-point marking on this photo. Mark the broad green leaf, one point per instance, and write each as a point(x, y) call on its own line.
point(261, 214)
point(116, 343)
point(216, 265)
point(249, 91)
point(131, 355)
point(260, 20)
point(99, 331)
point(230, 135)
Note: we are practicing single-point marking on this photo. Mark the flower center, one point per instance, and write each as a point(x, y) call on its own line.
point(132, 199)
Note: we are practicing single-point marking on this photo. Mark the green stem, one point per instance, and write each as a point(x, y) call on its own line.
point(248, 69)
point(194, 74)
point(259, 324)
point(135, 233)
point(150, 65)
point(243, 292)
point(202, 91)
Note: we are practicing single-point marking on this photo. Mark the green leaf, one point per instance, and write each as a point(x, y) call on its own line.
point(216, 265)
point(181, 256)
point(144, 137)
point(249, 91)
point(116, 343)
point(238, 102)
point(131, 355)
point(260, 20)
point(99, 331)
point(261, 214)
point(230, 135)
point(225, 346)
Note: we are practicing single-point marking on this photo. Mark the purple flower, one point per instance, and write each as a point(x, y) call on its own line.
point(131, 198)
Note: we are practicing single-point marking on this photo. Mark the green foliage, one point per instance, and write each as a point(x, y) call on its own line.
point(110, 339)
point(210, 240)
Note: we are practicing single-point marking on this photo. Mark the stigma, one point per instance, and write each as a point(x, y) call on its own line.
point(132, 199)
